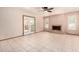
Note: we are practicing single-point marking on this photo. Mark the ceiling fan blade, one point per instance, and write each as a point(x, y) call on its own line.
point(49, 11)
point(45, 8)
point(50, 8)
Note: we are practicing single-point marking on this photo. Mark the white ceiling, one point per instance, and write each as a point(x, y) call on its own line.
point(56, 10)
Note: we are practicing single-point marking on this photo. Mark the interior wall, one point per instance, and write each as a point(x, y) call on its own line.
point(11, 22)
point(57, 20)
point(62, 19)
point(39, 24)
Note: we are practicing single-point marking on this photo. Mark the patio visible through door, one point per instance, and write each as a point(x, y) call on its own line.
point(29, 25)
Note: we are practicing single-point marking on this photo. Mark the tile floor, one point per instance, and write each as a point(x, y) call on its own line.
point(41, 42)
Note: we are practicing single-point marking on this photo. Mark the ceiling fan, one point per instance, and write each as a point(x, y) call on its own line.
point(47, 9)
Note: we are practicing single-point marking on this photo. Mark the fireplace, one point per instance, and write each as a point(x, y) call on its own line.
point(56, 27)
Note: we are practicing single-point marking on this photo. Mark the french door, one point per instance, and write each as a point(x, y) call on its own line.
point(28, 25)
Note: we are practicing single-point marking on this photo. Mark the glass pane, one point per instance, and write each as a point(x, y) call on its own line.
point(72, 21)
point(29, 25)
point(46, 23)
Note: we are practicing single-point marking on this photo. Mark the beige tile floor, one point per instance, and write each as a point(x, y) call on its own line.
point(41, 42)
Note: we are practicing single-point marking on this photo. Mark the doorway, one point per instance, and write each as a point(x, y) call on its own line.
point(28, 25)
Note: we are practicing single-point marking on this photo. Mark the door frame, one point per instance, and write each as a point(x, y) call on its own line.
point(23, 23)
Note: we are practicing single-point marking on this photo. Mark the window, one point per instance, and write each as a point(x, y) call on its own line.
point(46, 23)
point(72, 22)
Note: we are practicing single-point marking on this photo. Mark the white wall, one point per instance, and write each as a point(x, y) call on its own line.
point(57, 20)
point(11, 22)
point(39, 24)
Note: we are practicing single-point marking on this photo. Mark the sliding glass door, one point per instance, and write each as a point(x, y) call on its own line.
point(28, 25)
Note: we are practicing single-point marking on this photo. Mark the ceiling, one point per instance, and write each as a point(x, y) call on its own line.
point(56, 10)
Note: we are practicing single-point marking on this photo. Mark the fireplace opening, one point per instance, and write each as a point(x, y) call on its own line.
point(56, 28)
